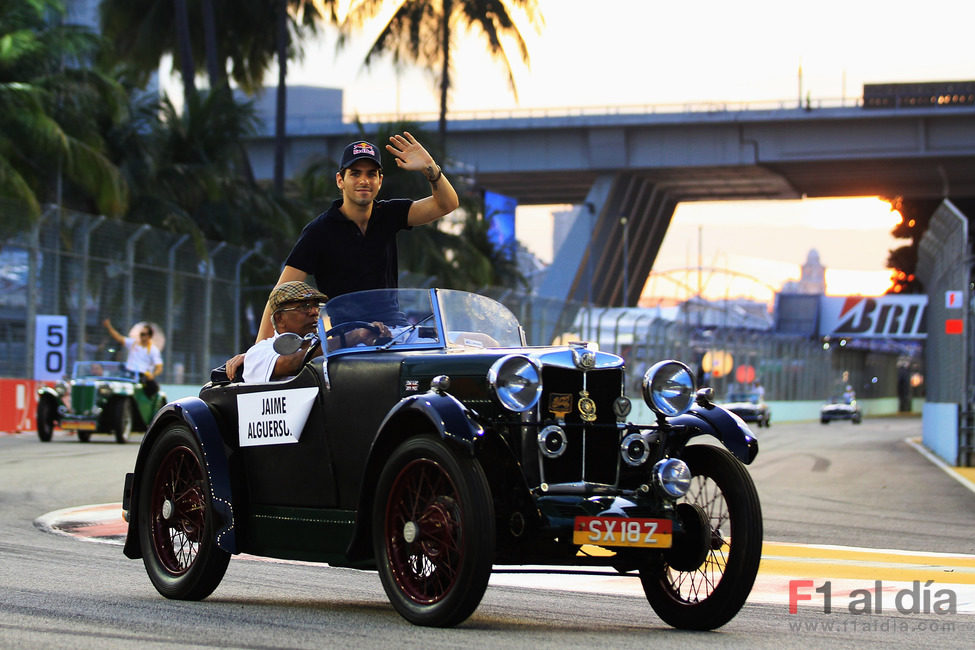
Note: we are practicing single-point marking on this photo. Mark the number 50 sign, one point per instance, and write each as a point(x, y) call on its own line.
point(50, 347)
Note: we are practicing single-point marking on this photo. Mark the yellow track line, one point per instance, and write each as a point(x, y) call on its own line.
point(807, 561)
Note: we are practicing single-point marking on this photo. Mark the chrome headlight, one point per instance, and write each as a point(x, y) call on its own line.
point(672, 477)
point(104, 390)
point(516, 381)
point(62, 388)
point(668, 388)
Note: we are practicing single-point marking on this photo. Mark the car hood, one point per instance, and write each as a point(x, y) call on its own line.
point(741, 405)
point(839, 407)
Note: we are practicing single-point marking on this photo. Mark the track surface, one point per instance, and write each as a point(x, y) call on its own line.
point(852, 505)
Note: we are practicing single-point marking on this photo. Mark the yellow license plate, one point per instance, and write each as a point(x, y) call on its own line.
point(620, 531)
point(84, 426)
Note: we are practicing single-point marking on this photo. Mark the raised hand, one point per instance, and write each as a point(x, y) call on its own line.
point(410, 154)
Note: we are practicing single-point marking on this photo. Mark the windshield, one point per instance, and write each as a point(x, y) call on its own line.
point(416, 318)
point(107, 369)
point(471, 320)
point(743, 397)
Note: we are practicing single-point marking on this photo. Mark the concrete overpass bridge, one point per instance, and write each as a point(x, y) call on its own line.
point(640, 165)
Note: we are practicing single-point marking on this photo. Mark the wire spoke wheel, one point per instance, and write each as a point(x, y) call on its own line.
point(724, 537)
point(178, 510)
point(176, 519)
point(427, 556)
point(433, 528)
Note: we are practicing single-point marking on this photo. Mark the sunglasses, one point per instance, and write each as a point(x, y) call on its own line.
point(311, 305)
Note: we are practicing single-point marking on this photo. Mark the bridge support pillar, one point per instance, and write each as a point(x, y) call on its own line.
point(611, 246)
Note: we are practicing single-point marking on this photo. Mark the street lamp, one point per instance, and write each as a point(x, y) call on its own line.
point(626, 251)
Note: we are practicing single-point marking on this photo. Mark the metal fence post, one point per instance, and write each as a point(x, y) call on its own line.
point(171, 298)
point(208, 309)
point(83, 292)
point(240, 265)
point(616, 331)
point(33, 257)
point(130, 266)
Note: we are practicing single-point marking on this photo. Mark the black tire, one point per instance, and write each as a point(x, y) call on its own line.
point(177, 528)
point(122, 419)
point(824, 420)
point(84, 435)
point(708, 596)
point(47, 410)
point(433, 532)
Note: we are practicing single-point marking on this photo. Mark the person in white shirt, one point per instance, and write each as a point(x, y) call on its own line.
point(294, 308)
point(143, 357)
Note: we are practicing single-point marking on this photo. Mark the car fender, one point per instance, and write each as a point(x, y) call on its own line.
point(453, 421)
point(195, 413)
point(447, 415)
point(727, 427)
point(47, 390)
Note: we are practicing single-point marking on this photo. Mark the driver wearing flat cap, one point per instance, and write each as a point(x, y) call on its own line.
point(295, 308)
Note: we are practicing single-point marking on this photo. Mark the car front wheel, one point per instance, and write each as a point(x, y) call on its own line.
point(177, 527)
point(46, 415)
point(704, 580)
point(433, 532)
point(122, 420)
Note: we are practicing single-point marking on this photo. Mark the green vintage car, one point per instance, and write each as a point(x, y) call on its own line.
point(100, 397)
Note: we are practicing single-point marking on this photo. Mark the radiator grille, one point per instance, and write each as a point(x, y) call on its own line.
point(592, 453)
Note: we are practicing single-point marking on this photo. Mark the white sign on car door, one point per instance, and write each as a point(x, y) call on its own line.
point(274, 417)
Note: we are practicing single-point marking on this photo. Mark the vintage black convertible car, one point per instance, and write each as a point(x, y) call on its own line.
point(442, 451)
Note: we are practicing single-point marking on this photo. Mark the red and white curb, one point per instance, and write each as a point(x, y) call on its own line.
point(96, 523)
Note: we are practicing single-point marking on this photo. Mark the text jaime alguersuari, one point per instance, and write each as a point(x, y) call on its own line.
point(270, 426)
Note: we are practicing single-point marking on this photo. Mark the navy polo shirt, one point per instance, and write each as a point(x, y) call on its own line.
point(343, 259)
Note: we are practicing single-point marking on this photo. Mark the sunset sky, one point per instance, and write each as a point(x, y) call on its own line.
point(635, 52)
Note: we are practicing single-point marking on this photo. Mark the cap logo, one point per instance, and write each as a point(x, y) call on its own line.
point(363, 148)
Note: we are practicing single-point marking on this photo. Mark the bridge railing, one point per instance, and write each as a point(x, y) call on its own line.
point(316, 120)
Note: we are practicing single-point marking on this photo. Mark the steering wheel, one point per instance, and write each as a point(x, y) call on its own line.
point(310, 352)
point(342, 329)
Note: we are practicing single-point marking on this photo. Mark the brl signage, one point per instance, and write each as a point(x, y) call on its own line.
point(892, 316)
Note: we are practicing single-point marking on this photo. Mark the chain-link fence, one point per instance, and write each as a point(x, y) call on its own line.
point(945, 266)
point(788, 367)
point(91, 268)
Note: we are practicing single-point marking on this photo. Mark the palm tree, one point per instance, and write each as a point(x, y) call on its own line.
point(232, 30)
point(51, 111)
point(422, 32)
point(187, 172)
point(325, 9)
point(142, 31)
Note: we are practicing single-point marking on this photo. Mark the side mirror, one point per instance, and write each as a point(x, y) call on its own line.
point(288, 343)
